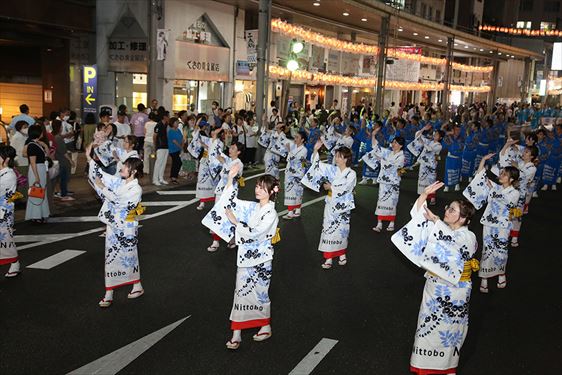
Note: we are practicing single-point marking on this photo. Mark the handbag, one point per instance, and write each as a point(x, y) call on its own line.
point(36, 191)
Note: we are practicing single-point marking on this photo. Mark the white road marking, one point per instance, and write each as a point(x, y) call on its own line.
point(39, 237)
point(73, 219)
point(163, 203)
point(311, 202)
point(61, 237)
point(114, 362)
point(175, 192)
point(55, 260)
point(259, 174)
point(312, 359)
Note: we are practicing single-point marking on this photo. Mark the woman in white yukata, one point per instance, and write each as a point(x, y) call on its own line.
point(254, 228)
point(296, 167)
point(128, 151)
point(198, 148)
point(502, 198)
point(228, 163)
point(121, 196)
point(391, 162)
point(339, 180)
point(8, 194)
point(345, 140)
point(275, 150)
point(428, 160)
point(527, 171)
point(445, 249)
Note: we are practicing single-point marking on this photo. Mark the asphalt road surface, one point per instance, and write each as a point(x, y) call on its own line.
point(50, 322)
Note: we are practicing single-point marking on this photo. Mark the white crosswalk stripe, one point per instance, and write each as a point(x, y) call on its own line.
point(55, 260)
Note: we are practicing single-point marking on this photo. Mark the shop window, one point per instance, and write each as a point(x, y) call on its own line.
point(197, 93)
point(130, 90)
point(548, 26)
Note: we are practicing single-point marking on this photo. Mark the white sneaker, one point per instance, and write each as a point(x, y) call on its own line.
point(457, 187)
point(544, 188)
point(559, 180)
point(157, 183)
point(364, 181)
point(164, 182)
point(201, 206)
point(553, 187)
point(535, 195)
point(374, 182)
point(470, 179)
point(446, 190)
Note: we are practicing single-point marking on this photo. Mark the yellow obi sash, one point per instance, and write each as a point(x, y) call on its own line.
point(515, 213)
point(132, 215)
point(329, 193)
point(17, 195)
point(470, 266)
point(241, 181)
point(277, 237)
point(205, 154)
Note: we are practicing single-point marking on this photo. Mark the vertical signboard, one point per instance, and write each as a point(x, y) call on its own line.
point(89, 88)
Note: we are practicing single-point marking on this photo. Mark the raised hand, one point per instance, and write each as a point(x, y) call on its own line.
point(433, 187)
point(488, 157)
point(318, 145)
point(233, 171)
point(430, 215)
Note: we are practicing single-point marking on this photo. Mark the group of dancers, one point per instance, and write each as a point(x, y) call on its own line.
point(502, 171)
point(502, 177)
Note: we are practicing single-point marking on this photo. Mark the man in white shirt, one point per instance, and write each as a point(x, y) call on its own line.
point(149, 150)
point(393, 111)
point(123, 129)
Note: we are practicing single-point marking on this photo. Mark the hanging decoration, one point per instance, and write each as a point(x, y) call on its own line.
point(521, 32)
point(294, 31)
point(339, 80)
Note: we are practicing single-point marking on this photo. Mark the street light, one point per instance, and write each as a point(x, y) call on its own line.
point(297, 46)
point(292, 65)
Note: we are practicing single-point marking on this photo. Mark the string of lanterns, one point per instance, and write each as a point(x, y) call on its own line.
point(554, 92)
point(294, 31)
point(522, 32)
point(334, 79)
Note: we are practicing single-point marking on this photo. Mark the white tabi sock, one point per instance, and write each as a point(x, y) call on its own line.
point(265, 329)
point(108, 295)
point(236, 336)
point(390, 226)
point(14, 267)
point(328, 261)
point(297, 212)
point(136, 287)
point(343, 258)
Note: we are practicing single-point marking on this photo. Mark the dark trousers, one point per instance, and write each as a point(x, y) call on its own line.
point(64, 176)
point(176, 164)
point(250, 155)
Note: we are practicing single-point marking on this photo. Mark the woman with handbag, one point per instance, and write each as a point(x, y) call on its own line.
point(8, 194)
point(36, 151)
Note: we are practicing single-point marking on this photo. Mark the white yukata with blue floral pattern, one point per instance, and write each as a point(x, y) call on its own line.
point(296, 167)
point(428, 163)
point(205, 190)
point(275, 151)
point(223, 177)
point(496, 221)
point(121, 236)
point(389, 179)
point(443, 317)
point(337, 211)
point(256, 228)
point(8, 186)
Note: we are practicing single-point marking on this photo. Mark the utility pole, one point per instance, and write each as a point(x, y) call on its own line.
point(447, 78)
point(264, 25)
point(155, 67)
point(381, 65)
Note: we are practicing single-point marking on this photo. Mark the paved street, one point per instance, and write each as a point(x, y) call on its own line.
point(51, 322)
